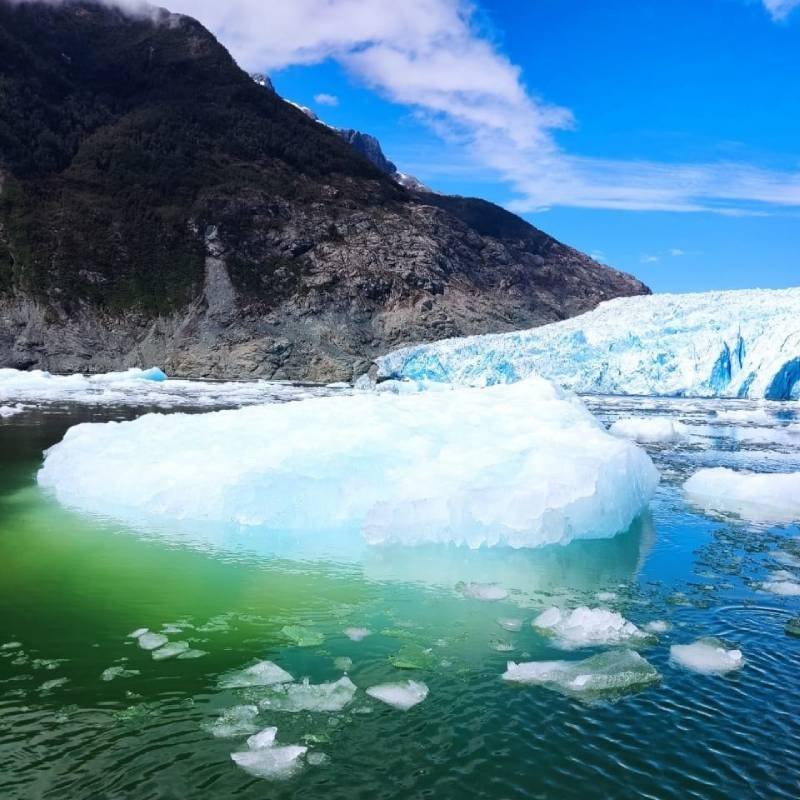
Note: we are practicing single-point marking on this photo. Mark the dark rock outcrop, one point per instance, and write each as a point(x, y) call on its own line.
point(159, 207)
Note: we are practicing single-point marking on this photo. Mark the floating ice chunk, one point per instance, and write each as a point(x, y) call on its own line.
point(343, 663)
point(483, 591)
point(271, 763)
point(658, 626)
point(606, 597)
point(170, 650)
point(500, 646)
point(310, 697)
point(616, 672)
point(11, 646)
point(56, 683)
point(265, 738)
point(152, 641)
point(757, 497)
point(707, 656)
point(138, 632)
point(723, 344)
point(356, 634)
point(649, 430)
point(264, 673)
point(793, 627)
point(189, 654)
point(510, 623)
point(10, 411)
point(400, 695)
point(788, 559)
point(523, 465)
point(235, 721)
point(782, 583)
point(301, 636)
point(316, 759)
point(112, 673)
point(588, 627)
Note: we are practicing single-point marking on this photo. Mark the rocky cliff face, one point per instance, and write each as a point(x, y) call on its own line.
point(159, 207)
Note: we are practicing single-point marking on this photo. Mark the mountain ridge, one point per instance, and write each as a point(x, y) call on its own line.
point(158, 206)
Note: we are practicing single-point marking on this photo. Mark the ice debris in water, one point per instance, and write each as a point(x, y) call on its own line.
point(152, 641)
point(191, 654)
point(307, 696)
point(510, 623)
point(235, 721)
point(587, 627)
point(112, 673)
point(658, 626)
point(756, 497)
point(615, 672)
point(606, 597)
point(400, 695)
point(138, 632)
point(11, 646)
point(265, 738)
point(649, 430)
point(709, 344)
point(522, 465)
point(170, 650)
point(501, 646)
point(356, 634)
point(483, 591)
point(56, 683)
point(707, 656)
point(343, 663)
point(301, 636)
point(782, 582)
point(265, 759)
point(10, 411)
point(264, 673)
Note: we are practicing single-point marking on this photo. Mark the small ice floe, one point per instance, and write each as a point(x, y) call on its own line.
point(500, 646)
point(112, 673)
point(793, 627)
point(512, 624)
point(606, 597)
point(170, 650)
point(616, 672)
point(265, 759)
point(48, 686)
point(783, 583)
point(301, 636)
point(357, 634)
point(787, 559)
point(307, 696)
point(11, 646)
point(138, 633)
point(316, 759)
point(756, 497)
point(343, 663)
point(400, 695)
point(706, 656)
point(488, 592)
point(152, 641)
point(190, 654)
point(649, 430)
point(658, 626)
point(588, 627)
point(264, 673)
point(11, 411)
point(235, 721)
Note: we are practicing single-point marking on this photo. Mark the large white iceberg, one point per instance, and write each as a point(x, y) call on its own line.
point(520, 465)
point(714, 344)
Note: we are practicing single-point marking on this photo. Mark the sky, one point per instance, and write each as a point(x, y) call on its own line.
point(660, 136)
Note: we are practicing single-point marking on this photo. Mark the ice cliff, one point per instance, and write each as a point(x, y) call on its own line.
point(713, 344)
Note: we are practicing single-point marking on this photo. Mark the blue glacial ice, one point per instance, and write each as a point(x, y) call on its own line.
point(521, 465)
point(713, 344)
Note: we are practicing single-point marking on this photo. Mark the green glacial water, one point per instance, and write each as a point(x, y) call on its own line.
point(72, 589)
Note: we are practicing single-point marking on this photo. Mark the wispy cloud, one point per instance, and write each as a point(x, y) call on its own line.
point(431, 56)
point(780, 9)
point(649, 259)
point(676, 252)
point(326, 99)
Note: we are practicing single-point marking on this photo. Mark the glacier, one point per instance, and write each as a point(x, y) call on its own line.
point(739, 344)
point(519, 465)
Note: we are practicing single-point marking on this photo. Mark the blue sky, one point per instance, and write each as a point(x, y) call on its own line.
point(661, 136)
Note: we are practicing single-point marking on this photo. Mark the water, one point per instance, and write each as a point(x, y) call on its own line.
point(72, 589)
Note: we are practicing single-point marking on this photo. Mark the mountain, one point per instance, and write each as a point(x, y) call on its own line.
point(157, 206)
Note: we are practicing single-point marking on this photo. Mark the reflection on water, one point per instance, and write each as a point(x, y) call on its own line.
point(87, 713)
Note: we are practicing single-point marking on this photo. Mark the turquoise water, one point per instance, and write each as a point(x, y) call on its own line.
point(73, 588)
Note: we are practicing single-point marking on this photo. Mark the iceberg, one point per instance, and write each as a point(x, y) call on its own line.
point(712, 344)
point(613, 673)
point(765, 497)
point(588, 627)
point(520, 465)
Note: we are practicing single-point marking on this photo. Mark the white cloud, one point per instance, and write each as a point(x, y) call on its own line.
point(676, 252)
point(780, 9)
point(326, 99)
point(646, 259)
point(430, 56)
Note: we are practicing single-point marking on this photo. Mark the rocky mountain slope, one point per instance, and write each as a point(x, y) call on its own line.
point(157, 206)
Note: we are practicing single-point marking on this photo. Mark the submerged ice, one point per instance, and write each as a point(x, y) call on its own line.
point(520, 465)
point(713, 344)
